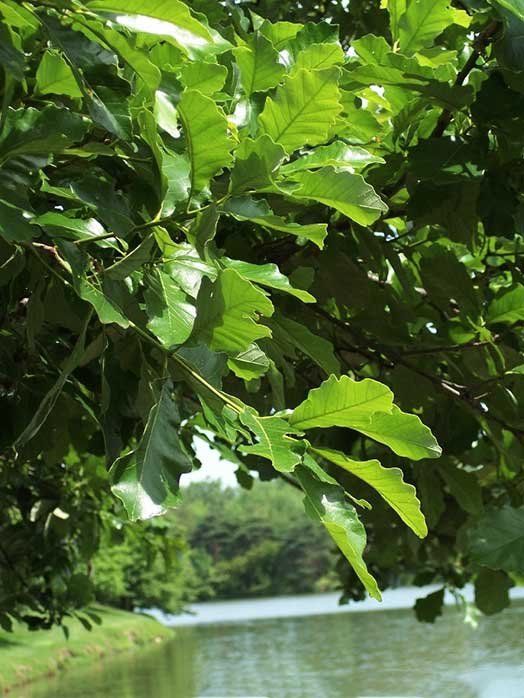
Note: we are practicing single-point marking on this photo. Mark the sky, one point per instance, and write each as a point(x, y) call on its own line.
point(212, 467)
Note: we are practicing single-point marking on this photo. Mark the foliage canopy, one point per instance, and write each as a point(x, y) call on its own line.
point(296, 241)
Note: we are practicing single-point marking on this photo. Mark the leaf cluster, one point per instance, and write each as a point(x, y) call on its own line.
point(261, 230)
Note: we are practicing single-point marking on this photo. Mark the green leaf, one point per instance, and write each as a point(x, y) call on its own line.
point(508, 306)
point(337, 154)
point(342, 402)
point(187, 268)
point(258, 212)
point(176, 172)
point(137, 60)
point(303, 110)
point(492, 591)
point(267, 275)
point(173, 13)
point(60, 225)
point(279, 33)
point(101, 296)
point(388, 482)
point(107, 297)
point(514, 6)
point(396, 9)
point(319, 57)
point(497, 541)
point(274, 442)
point(165, 114)
point(171, 316)
point(40, 131)
point(256, 161)
point(204, 230)
point(345, 192)
point(327, 504)
point(404, 433)
point(422, 22)
point(133, 261)
point(54, 76)
point(147, 479)
point(45, 408)
point(428, 608)
point(320, 350)
point(259, 66)
point(207, 78)
point(463, 486)
point(227, 312)
point(205, 129)
point(509, 49)
point(15, 224)
point(249, 364)
point(11, 58)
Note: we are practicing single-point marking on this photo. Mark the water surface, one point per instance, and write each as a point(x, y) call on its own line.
point(343, 655)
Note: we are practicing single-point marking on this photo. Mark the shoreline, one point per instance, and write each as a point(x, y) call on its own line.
point(28, 657)
point(250, 609)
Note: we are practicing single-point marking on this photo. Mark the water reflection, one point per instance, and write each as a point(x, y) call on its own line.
point(337, 656)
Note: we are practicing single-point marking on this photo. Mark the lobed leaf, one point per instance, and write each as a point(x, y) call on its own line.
point(327, 504)
point(303, 110)
point(274, 442)
point(342, 402)
point(388, 482)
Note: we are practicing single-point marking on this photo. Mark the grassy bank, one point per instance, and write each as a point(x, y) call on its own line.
point(26, 656)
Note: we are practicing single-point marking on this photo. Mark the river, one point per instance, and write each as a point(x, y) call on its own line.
point(311, 649)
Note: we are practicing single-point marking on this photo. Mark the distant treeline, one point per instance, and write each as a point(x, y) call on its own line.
point(221, 542)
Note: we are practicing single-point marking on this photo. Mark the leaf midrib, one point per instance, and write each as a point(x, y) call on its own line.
point(302, 109)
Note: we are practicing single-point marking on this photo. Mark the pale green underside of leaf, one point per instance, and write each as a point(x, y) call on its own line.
point(303, 110)
point(327, 503)
point(388, 482)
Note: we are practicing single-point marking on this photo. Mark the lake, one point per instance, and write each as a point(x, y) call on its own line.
point(375, 654)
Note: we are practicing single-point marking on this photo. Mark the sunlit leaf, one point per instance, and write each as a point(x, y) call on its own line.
point(205, 129)
point(389, 483)
point(303, 109)
point(147, 479)
point(327, 503)
point(342, 402)
point(228, 311)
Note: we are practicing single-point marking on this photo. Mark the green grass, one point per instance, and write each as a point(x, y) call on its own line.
point(26, 656)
